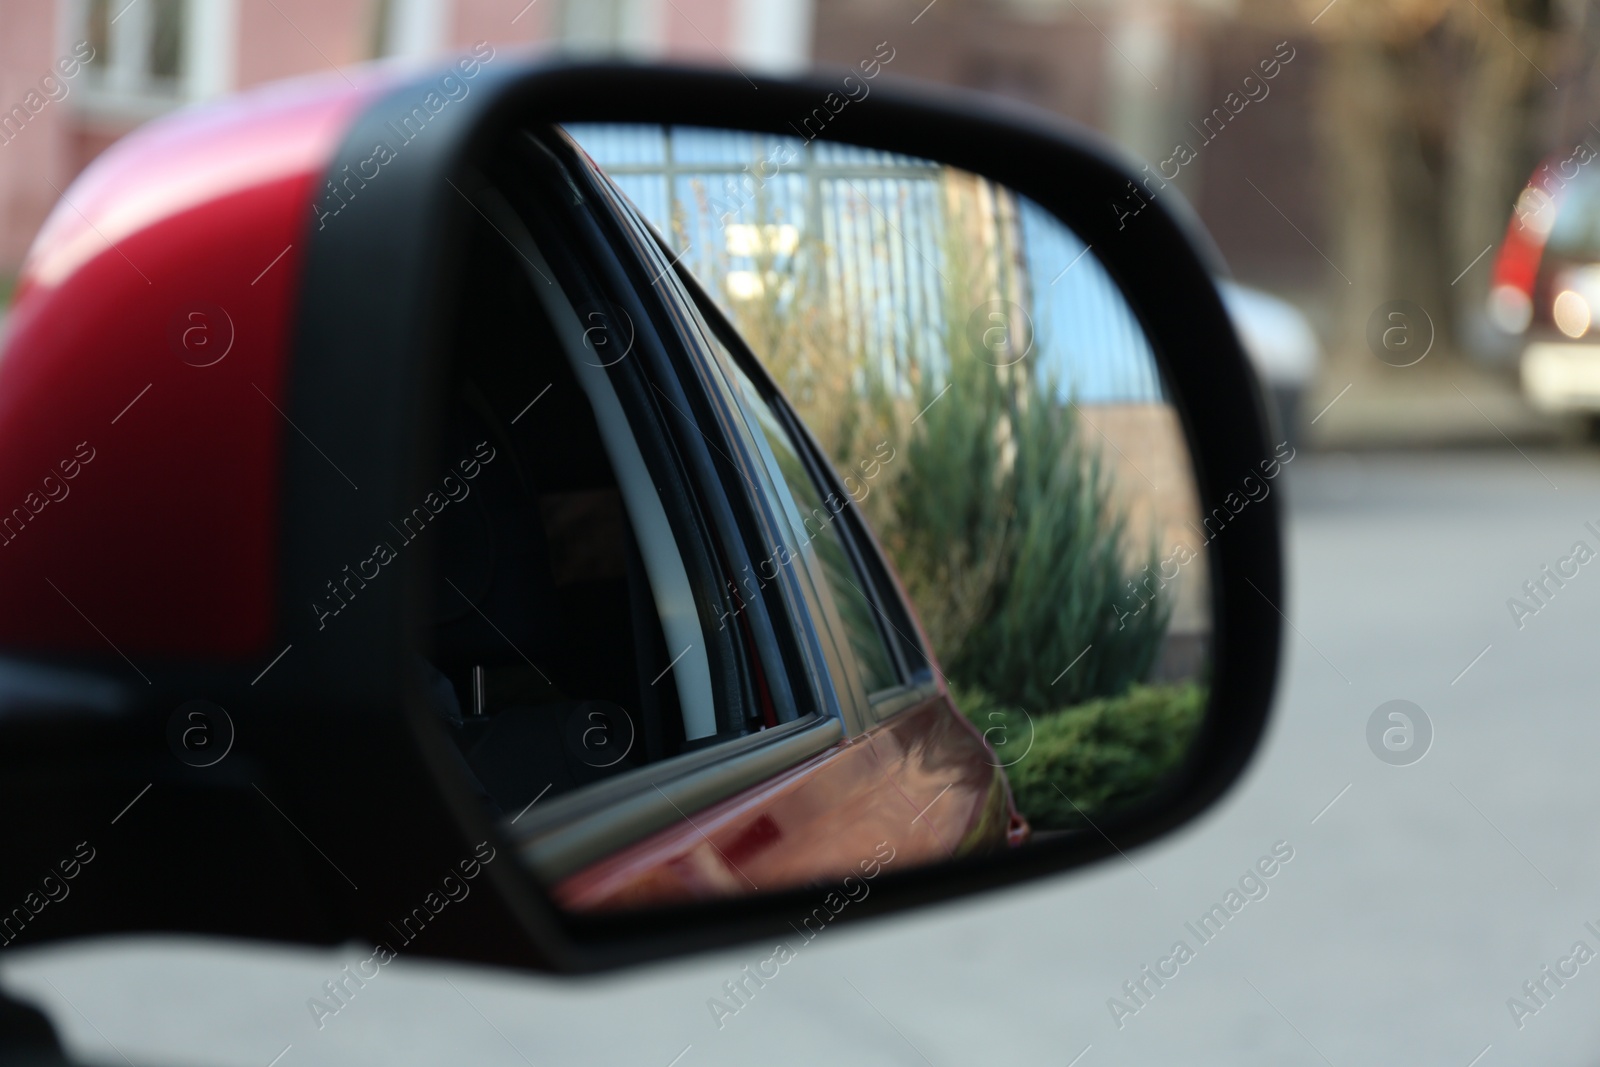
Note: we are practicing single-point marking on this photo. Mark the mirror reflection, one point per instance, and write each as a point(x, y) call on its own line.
point(968, 608)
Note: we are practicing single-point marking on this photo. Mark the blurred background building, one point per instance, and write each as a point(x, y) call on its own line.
point(151, 56)
point(1379, 160)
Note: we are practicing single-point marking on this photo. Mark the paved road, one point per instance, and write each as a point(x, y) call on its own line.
point(1412, 909)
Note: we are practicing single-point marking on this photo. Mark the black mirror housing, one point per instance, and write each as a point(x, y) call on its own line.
point(342, 812)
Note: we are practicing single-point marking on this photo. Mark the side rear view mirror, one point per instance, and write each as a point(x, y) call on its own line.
point(564, 516)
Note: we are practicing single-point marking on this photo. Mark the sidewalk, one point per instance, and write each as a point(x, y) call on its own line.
point(1445, 403)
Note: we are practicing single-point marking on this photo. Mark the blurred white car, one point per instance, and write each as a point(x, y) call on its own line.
point(1281, 345)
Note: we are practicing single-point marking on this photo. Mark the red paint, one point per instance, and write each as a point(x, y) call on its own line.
point(165, 540)
point(1517, 263)
point(924, 782)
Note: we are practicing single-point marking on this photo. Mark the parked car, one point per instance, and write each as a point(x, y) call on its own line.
point(1546, 286)
point(1282, 347)
point(392, 511)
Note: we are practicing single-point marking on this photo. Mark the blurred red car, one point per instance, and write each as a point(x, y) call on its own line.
point(1545, 287)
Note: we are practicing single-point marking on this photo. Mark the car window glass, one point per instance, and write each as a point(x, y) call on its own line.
point(566, 646)
point(819, 527)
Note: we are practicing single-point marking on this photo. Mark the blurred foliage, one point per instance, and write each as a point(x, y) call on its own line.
point(1105, 753)
point(997, 516)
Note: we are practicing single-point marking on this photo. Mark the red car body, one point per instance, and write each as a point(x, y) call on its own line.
point(165, 537)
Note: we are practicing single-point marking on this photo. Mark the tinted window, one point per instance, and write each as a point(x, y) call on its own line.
point(820, 528)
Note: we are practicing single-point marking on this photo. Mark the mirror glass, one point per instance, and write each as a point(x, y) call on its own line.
point(977, 615)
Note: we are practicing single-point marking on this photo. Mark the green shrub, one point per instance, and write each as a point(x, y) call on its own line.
point(1005, 533)
point(1090, 757)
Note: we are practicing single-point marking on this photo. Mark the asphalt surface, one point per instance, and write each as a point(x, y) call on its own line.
point(1418, 900)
